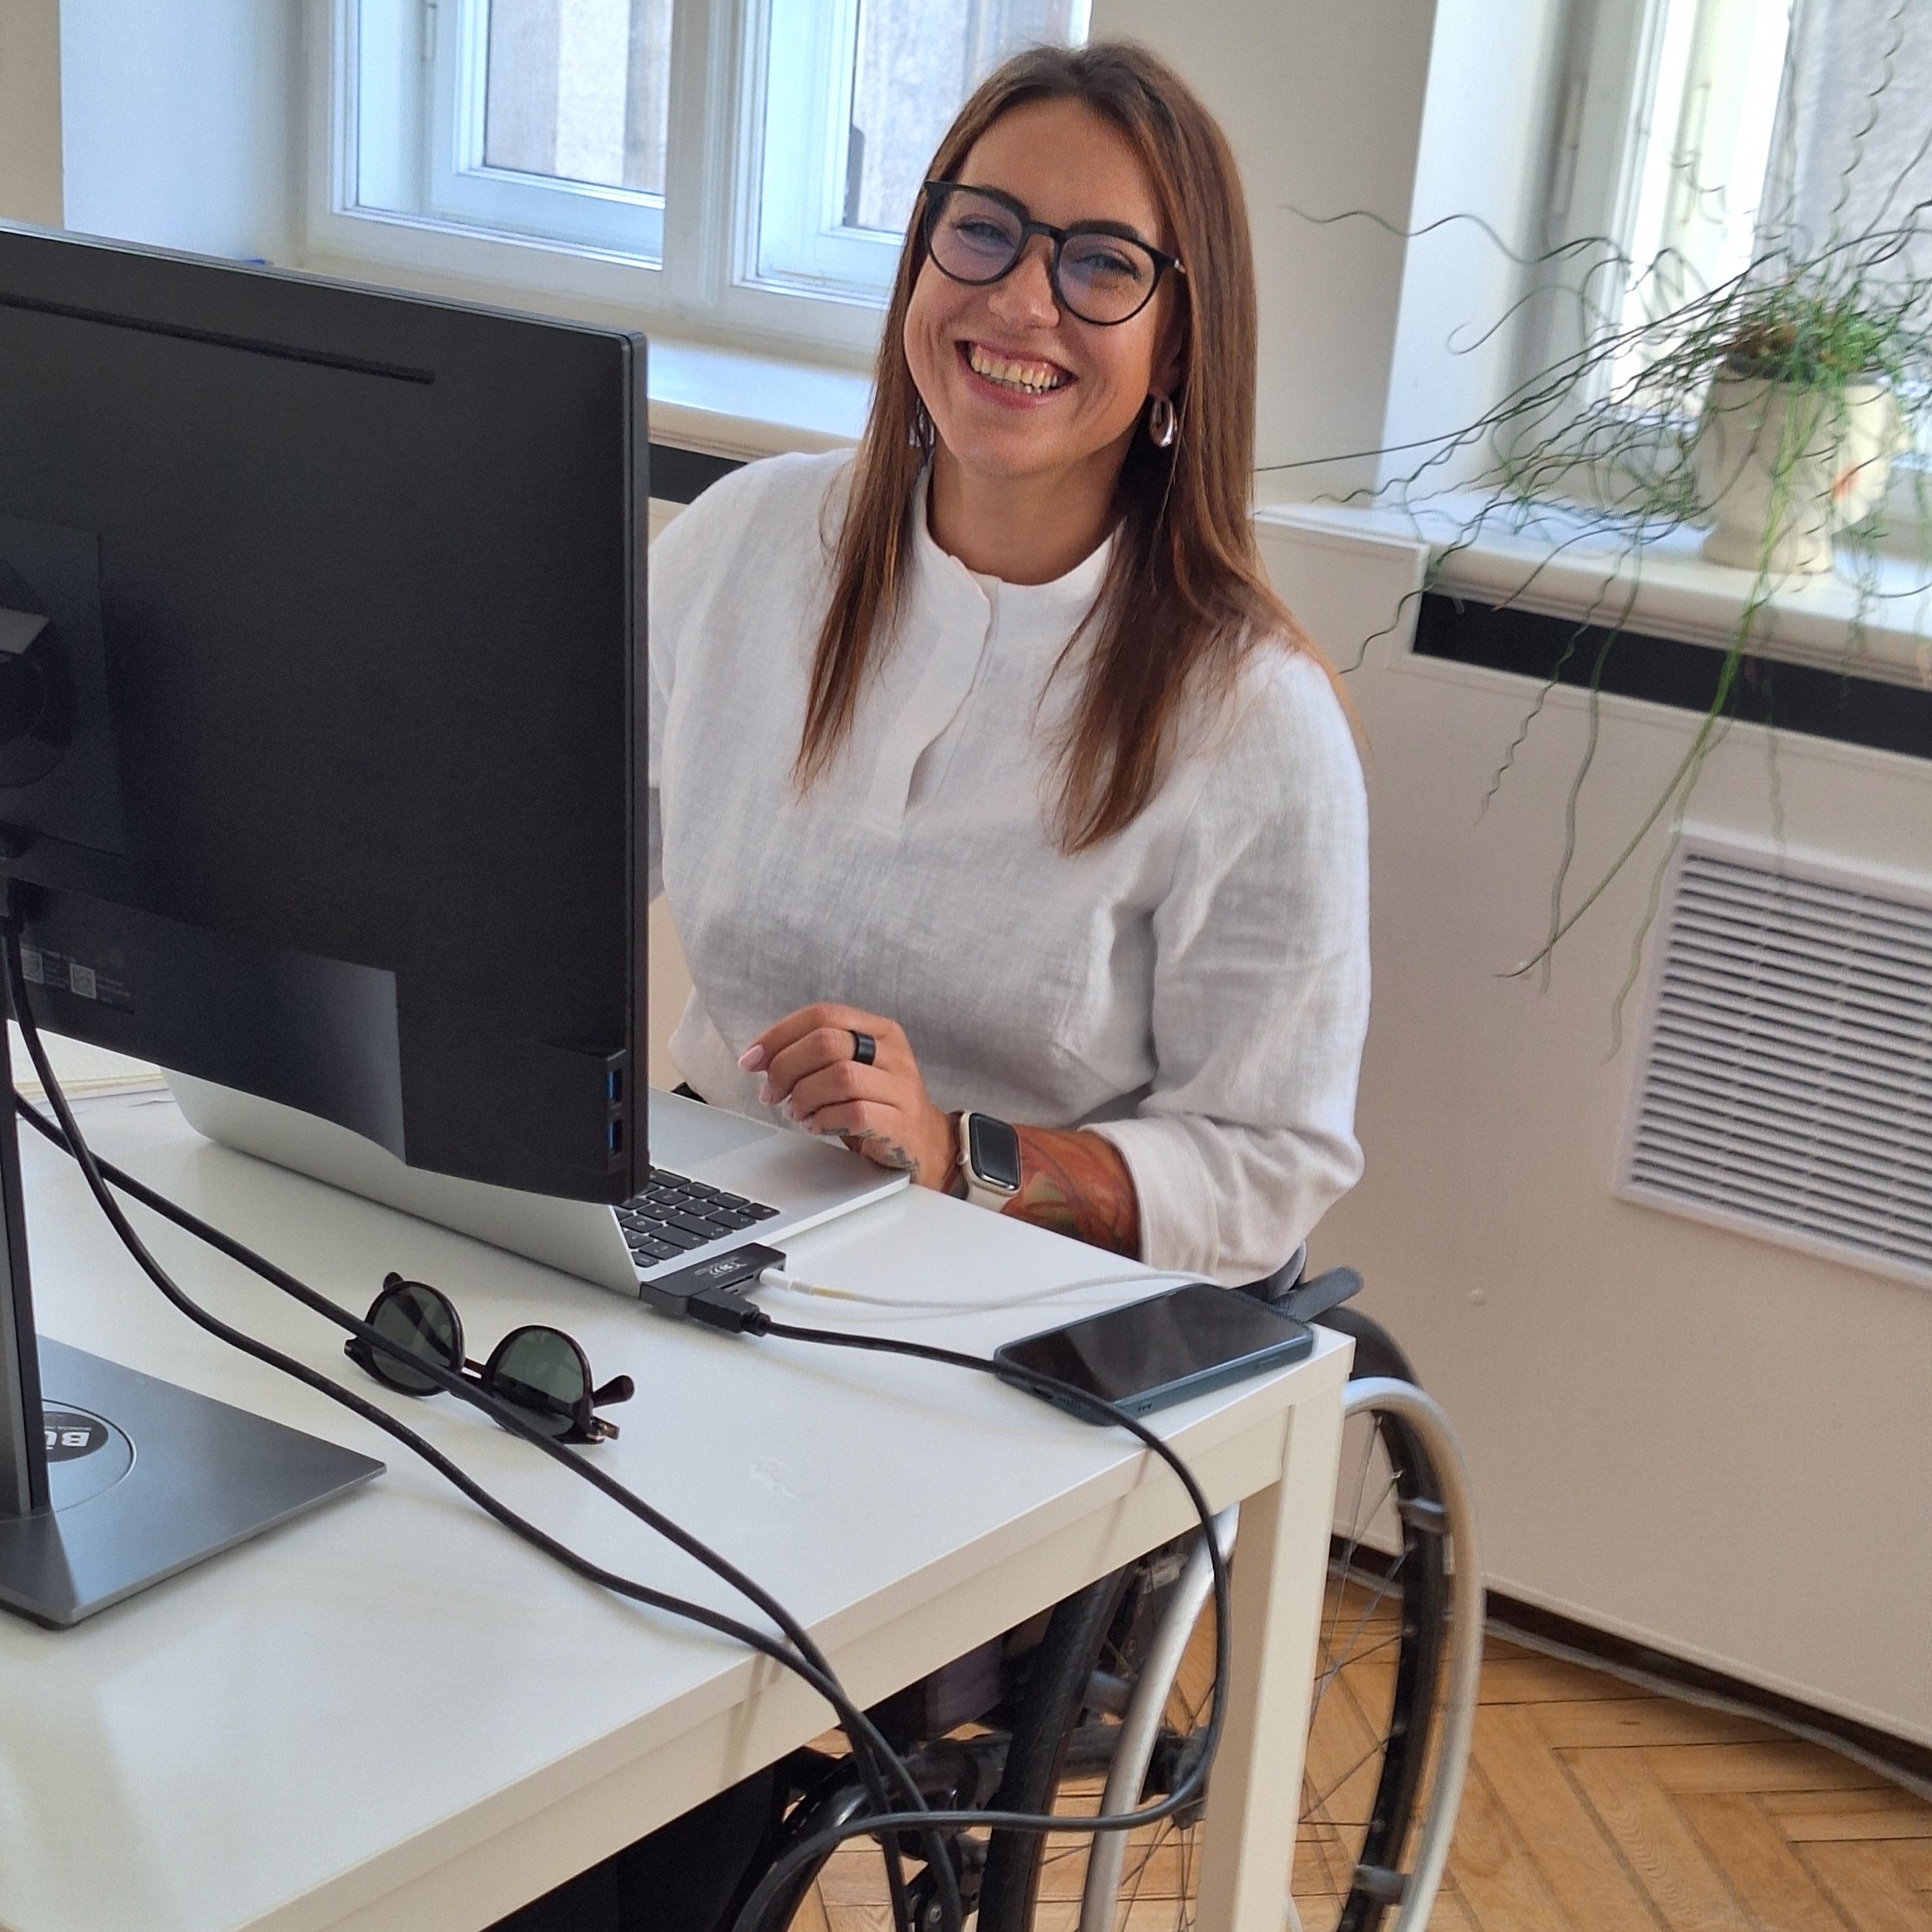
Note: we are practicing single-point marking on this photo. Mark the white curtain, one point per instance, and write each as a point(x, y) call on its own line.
point(1854, 154)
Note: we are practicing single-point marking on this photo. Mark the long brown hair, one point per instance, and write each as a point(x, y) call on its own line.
point(1185, 600)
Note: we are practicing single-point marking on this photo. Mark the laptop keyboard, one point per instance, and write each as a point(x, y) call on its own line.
point(673, 1216)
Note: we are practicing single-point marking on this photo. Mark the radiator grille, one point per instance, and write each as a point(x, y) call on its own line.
point(1785, 1087)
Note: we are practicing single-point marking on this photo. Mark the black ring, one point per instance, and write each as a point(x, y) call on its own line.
point(864, 1048)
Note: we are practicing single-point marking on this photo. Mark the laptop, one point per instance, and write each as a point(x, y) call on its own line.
point(718, 1179)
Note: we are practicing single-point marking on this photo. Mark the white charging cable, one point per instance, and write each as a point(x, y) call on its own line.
point(777, 1278)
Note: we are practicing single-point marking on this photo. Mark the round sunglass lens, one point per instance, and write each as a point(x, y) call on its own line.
point(973, 238)
point(540, 1372)
point(423, 1325)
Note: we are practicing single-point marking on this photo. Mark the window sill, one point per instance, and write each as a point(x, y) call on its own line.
point(726, 402)
point(1554, 565)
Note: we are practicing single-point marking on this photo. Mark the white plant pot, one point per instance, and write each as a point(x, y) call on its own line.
point(1782, 468)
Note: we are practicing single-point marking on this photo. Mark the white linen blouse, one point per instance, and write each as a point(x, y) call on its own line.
point(1196, 988)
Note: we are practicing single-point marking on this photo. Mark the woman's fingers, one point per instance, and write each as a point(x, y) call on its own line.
point(813, 1068)
point(815, 1037)
point(758, 1056)
point(823, 1050)
point(838, 1083)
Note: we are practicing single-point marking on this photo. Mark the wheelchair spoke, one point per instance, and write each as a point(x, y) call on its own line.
point(1357, 1524)
point(1362, 1622)
point(1392, 1641)
point(1131, 1888)
point(1320, 1799)
point(1368, 1442)
point(1327, 1671)
point(1332, 1663)
point(1376, 1725)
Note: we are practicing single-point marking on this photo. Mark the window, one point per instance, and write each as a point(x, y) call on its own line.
point(541, 118)
point(857, 96)
point(746, 166)
point(1700, 150)
point(1697, 135)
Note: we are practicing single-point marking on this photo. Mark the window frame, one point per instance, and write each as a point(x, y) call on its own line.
point(1607, 85)
point(462, 187)
point(1610, 80)
point(787, 243)
point(698, 289)
point(1609, 68)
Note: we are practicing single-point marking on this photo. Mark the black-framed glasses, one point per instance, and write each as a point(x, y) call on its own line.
point(1099, 271)
point(538, 1370)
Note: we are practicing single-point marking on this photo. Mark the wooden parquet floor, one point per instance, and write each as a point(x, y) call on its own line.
point(1591, 1806)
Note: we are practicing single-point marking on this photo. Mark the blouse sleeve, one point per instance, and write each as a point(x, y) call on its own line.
point(685, 562)
point(1261, 995)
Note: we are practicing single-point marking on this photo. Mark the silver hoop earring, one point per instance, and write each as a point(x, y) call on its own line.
point(923, 437)
point(1162, 423)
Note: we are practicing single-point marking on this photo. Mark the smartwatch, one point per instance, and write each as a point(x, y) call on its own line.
point(989, 1159)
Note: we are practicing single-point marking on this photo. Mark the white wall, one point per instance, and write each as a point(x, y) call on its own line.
point(1706, 1443)
point(1486, 141)
point(1322, 102)
point(30, 111)
point(181, 123)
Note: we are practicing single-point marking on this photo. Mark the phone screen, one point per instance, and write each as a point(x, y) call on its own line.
point(1173, 1341)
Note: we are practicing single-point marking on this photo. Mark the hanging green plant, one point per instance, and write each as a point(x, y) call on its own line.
point(1765, 414)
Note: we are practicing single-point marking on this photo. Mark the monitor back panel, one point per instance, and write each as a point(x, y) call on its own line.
point(348, 593)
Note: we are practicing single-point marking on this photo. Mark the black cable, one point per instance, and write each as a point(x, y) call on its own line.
point(870, 1752)
point(772, 1887)
point(807, 1662)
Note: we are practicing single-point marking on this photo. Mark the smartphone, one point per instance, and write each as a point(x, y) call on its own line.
point(1165, 1349)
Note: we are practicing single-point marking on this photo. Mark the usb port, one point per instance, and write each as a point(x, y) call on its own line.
point(616, 1137)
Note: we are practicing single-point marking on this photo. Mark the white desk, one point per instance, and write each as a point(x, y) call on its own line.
point(393, 1715)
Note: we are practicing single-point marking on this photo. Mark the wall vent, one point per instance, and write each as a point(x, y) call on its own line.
point(1783, 1087)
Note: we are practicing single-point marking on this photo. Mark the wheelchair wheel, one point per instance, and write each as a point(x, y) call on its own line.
point(1384, 1764)
point(1107, 1706)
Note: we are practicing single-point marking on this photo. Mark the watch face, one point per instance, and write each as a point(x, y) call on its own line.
point(994, 1148)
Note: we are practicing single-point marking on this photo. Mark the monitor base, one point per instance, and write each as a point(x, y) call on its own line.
point(146, 1479)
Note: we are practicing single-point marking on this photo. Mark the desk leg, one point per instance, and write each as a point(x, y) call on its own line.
point(1280, 1562)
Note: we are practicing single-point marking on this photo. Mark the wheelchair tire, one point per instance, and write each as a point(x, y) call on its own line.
point(1392, 1601)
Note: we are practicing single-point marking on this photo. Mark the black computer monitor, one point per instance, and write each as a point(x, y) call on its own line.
point(322, 730)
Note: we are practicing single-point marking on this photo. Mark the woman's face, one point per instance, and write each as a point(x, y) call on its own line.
point(1015, 385)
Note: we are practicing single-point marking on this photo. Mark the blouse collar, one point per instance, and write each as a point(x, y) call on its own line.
point(1057, 607)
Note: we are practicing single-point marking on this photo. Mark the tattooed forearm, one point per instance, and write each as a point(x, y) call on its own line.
point(1076, 1183)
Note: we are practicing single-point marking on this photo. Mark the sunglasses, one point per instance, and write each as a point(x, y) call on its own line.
point(1099, 271)
point(539, 1371)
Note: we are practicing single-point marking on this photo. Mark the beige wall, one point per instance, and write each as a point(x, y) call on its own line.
point(30, 111)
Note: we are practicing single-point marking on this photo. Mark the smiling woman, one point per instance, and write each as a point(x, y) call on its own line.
point(1048, 796)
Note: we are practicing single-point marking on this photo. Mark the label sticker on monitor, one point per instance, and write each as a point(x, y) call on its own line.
point(44, 966)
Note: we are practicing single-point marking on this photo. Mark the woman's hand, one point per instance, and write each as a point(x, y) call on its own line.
point(1074, 1182)
point(810, 1060)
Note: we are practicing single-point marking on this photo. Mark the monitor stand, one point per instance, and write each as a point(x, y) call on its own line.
point(111, 1481)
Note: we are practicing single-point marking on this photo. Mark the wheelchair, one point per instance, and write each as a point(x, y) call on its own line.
point(1099, 1703)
